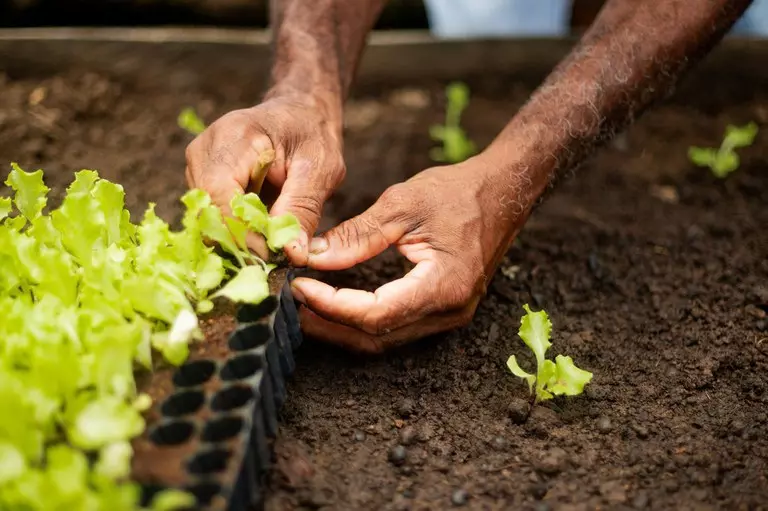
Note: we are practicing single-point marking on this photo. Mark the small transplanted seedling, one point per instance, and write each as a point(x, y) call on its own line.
point(724, 160)
point(456, 146)
point(191, 122)
point(558, 378)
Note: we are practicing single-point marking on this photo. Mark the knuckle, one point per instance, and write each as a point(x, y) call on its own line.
point(394, 196)
point(401, 205)
point(306, 206)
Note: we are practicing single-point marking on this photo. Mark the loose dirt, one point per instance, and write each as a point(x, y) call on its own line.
point(654, 273)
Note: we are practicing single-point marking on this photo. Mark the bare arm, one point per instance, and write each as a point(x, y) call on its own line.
point(631, 56)
point(317, 46)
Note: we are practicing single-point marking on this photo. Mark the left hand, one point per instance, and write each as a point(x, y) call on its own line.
point(454, 222)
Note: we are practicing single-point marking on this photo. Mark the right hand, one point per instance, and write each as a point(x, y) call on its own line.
point(288, 144)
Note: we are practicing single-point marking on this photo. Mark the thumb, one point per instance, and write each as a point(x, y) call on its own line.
point(357, 239)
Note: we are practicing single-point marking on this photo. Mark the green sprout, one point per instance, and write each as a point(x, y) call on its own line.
point(557, 378)
point(724, 160)
point(456, 146)
point(191, 122)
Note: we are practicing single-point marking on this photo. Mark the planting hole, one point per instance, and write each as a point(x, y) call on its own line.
point(231, 398)
point(183, 403)
point(249, 313)
point(243, 366)
point(208, 462)
point(204, 491)
point(194, 373)
point(222, 429)
point(250, 337)
point(172, 433)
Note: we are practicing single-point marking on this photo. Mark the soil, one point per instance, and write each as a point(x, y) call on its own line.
point(653, 272)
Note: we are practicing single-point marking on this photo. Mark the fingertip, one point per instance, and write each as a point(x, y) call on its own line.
point(297, 251)
point(297, 293)
point(304, 286)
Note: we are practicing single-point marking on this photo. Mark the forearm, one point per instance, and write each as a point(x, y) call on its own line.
point(632, 55)
point(317, 46)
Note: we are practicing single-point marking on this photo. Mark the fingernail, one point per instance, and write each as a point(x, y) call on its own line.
point(297, 295)
point(318, 245)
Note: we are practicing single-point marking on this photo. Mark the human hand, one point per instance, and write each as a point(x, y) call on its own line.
point(454, 222)
point(291, 144)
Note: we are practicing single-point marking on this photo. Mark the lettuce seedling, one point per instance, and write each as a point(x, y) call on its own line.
point(456, 146)
point(724, 160)
point(189, 120)
point(557, 378)
point(87, 296)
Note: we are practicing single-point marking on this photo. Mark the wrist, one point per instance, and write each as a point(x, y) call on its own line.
point(518, 168)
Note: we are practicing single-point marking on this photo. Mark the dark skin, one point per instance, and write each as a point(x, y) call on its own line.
point(454, 222)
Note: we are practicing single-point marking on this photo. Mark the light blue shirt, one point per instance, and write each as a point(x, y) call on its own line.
point(464, 19)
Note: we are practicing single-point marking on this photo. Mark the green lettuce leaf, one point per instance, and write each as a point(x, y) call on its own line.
point(31, 192)
point(281, 230)
point(248, 286)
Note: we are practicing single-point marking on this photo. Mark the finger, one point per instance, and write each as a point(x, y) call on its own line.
point(356, 340)
point(357, 239)
point(303, 194)
point(257, 244)
point(391, 306)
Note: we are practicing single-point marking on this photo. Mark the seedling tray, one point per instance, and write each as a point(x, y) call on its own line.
point(214, 418)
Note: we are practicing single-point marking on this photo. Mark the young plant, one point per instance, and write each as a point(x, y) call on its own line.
point(87, 298)
point(456, 146)
point(189, 120)
point(558, 378)
point(724, 160)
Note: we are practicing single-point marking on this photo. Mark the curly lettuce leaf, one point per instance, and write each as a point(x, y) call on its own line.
point(560, 377)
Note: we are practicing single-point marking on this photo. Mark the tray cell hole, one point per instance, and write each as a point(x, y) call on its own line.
point(194, 373)
point(241, 367)
point(250, 337)
point(183, 403)
point(209, 462)
point(172, 433)
point(222, 429)
point(232, 398)
point(250, 313)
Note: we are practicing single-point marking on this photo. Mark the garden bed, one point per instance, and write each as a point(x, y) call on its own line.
point(654, 273)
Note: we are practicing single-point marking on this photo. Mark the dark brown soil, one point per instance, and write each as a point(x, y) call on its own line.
point(654, 273)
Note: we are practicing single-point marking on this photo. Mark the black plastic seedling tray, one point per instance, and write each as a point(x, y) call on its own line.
point(212, 431)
